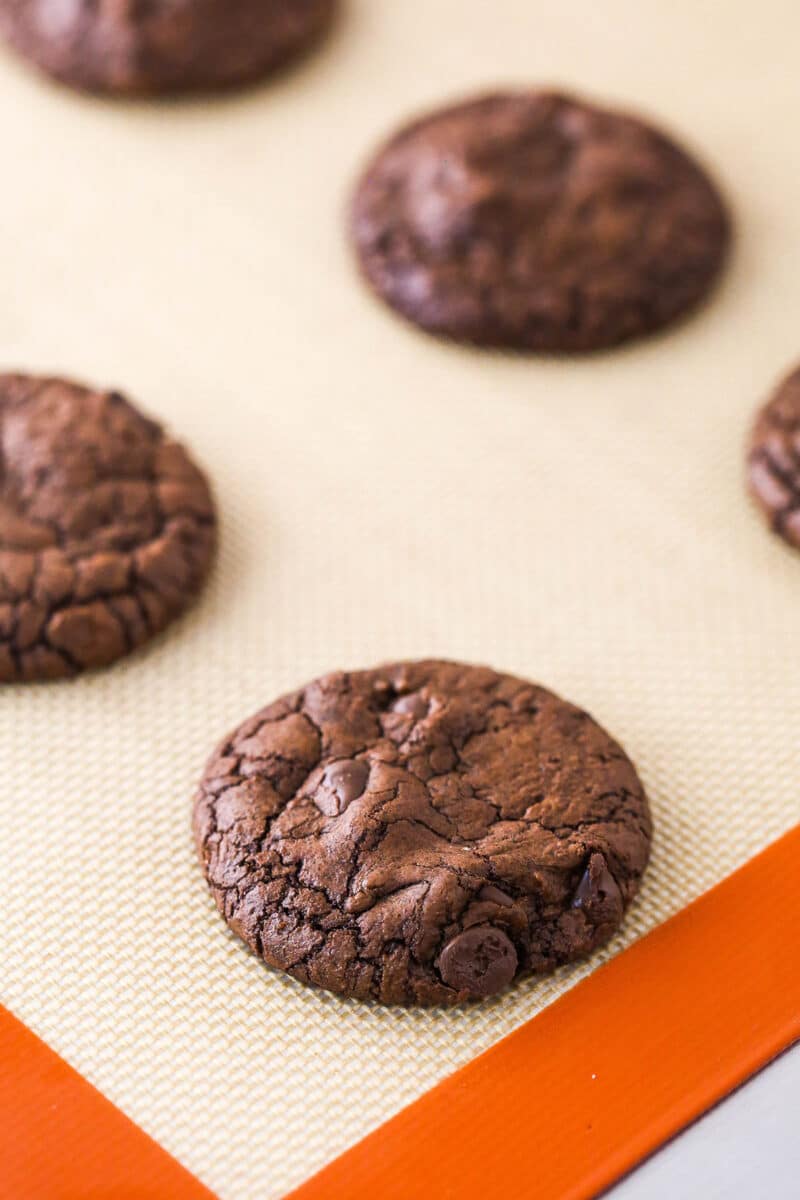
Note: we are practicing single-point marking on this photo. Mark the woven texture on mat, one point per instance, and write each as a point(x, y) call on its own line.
point(579, 522)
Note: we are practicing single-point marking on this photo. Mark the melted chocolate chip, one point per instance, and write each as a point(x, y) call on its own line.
point(598, 894)
point(343, 783)
point(493, 895)
point(411, 706)
point(480, 961)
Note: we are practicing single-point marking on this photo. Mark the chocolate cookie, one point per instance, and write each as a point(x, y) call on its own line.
point(106, 528)
point(773, 462)
point(422, 833)
point(533, 221)
point(145, 46)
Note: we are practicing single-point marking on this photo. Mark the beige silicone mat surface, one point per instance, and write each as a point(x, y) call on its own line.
point(383, 495)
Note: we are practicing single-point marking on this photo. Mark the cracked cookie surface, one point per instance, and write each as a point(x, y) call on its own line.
point(107, 528)
point(421, 833)
point(534, 221)
point(143, 46)
point(773, 463)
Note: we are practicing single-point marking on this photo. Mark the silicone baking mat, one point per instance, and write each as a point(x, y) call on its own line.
point(383, 495)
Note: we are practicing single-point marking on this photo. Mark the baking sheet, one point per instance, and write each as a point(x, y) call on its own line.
point(581, 522)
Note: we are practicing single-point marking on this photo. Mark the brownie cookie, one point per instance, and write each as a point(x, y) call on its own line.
point(773, 462)
point(146, 46)
point(534, 221)
point(107, 528)
point(422, 833)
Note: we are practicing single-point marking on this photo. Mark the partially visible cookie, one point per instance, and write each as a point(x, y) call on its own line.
point(773, 461)
point(107, 528)
point(535, 221)
point(148, 46)
point(422, 833)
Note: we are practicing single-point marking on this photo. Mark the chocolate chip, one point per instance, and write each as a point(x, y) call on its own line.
point(480, 961)
point(412, 706)
point(493, 895)
point(598, 894)
point(344, 782)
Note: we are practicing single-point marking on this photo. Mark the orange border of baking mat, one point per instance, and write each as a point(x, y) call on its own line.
point(60, 1139)
point(557, 1111)
point(563, 1107)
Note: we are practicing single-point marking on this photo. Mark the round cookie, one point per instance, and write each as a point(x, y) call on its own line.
point(534, 221)
point(107, 528)
point(138, 47)
point(421, 833)
point(773, 461)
